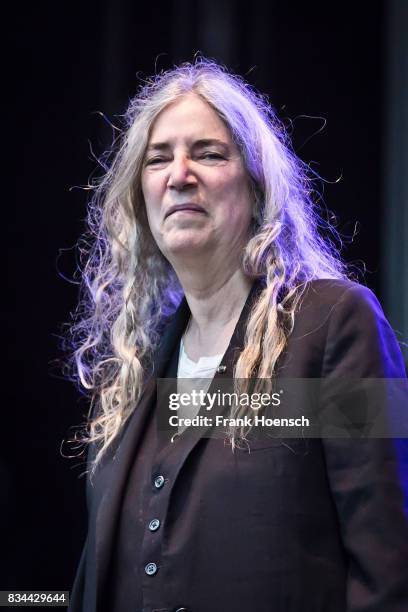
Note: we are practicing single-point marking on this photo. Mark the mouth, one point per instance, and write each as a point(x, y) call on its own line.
point(184, 208)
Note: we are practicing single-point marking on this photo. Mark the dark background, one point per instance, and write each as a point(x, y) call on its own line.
point(324, 70)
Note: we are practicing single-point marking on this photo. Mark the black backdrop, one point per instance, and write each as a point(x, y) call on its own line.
point(65, 62)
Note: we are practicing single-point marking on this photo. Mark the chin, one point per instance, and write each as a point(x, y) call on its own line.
point(189, 248)
point(188, 245)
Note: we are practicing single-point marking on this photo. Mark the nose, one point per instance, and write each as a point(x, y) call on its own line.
point(180, 174)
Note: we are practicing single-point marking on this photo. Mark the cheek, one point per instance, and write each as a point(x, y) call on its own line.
point(235, 181)
point(237, 194)
point(152, 184)
point(146, 189)
point(151, 196)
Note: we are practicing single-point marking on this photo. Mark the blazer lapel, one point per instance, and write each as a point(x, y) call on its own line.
point(190, 437)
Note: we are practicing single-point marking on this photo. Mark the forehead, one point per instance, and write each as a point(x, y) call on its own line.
point(189, 118)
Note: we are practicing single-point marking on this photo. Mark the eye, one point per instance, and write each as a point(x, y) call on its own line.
point(211, 156)
point(155, 160)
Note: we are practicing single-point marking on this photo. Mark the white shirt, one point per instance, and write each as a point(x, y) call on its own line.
point(194, 375)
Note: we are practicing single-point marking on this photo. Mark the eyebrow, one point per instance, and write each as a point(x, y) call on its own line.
point(197, 144)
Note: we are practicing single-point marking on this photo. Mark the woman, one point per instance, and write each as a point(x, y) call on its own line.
point(207, 262)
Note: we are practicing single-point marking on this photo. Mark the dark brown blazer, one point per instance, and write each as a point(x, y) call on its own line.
point(313, 525)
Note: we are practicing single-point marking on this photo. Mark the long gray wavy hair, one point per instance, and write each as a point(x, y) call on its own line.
point(129, 288)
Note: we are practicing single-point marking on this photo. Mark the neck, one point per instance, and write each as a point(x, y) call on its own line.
point(215, 303)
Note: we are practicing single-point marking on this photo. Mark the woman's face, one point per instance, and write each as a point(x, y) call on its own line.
point(194, 183)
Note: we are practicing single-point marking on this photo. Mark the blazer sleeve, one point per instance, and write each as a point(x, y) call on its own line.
point(77, 592)
point(368, 476)
point(77, 595)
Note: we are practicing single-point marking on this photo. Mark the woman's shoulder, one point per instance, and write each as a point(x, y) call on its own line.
point(350, 320)
point(329, 290)
point(326, 298)
point(338, 306)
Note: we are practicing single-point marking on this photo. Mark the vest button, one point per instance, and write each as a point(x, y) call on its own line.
point(150, 569)
point(154, 525)
point(159, 481)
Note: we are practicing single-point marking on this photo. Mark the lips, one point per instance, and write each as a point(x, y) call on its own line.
point(187, 206)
